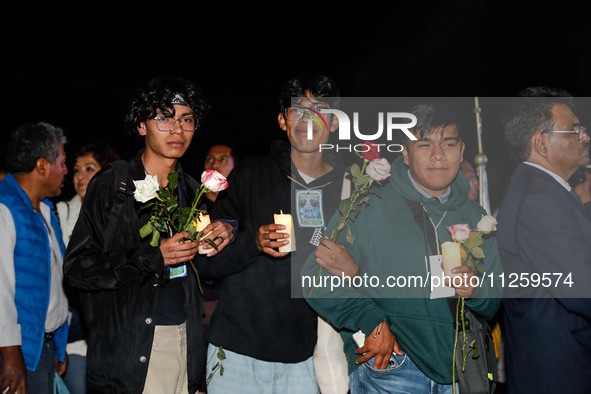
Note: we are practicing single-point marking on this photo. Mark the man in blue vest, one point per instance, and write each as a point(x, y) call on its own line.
point(33, 305)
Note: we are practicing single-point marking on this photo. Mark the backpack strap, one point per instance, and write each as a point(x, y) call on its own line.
point(120, 168)
point(420, 216)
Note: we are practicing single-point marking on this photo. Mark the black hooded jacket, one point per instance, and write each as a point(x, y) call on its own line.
point(261, 314)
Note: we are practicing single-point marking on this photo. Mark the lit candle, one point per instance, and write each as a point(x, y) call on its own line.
point(285, 219)
point(451, 257)
point(202, 222)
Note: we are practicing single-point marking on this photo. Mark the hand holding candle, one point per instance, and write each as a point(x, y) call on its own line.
point(202, 222)
point(286, 220)
point(451, 257)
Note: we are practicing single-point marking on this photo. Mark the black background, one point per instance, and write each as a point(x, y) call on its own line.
point(76, 67)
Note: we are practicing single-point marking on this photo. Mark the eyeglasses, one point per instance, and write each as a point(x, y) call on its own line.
point(296, 113)
point(167, 124)
point(581, 131)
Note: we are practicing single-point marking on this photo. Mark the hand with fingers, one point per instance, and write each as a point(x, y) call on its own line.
point(221, 233)
point(177, 249)
point(465, 288)
point(270, 237)
point(335, 258)
point(13, 373)
point(379, 345)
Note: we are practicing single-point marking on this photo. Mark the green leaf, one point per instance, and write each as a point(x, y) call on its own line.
point(160, 225)
point(221, 353)
point(146, 230)
point(192, 231)
point(155, 239)
point(163, 194)
point(194, 235)
point(350, 238)
point(474, 239)
point(173, 180)
point(474, 346)
point(211, 242)
point(355, 170)
point(477, 252)
point(171, 205)
point(360, 181)
point(344, 205)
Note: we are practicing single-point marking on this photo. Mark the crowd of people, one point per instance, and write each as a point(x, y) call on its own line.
point(100, 294)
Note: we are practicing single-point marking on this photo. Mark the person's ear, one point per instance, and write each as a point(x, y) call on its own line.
point(539, 143)
point(282, 122)
point(462, 151)
point(334, 123)
point(42, 166)
point(141, 128)
point(405, 154)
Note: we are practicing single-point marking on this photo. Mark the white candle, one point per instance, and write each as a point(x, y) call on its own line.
point(202, 222)
point(451, 257)
point(285, 219)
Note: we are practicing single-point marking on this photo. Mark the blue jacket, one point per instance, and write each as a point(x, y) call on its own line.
point(32, 265)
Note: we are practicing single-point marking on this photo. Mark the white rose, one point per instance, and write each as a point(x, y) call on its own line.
point(146, 190)
point(487, 224)
point(378, 169)
point(213, 181)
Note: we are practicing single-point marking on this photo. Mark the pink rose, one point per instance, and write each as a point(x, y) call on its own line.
point(459, 232)
point(213, 181)
point(378, 169)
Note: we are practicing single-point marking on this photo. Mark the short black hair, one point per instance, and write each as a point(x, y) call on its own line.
point(233, 153)
point(530, 113)
point(158, 93)
point(30, 142)
point(317, 85)
point(431, 117)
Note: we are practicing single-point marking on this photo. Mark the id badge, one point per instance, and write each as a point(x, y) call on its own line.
point(178, 272)
point(309, 208)
point(437, 285)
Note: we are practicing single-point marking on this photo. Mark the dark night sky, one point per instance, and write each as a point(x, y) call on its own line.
point(77, 70)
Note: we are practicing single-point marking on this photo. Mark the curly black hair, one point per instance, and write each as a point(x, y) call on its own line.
point(318, 85)
point(158, 93)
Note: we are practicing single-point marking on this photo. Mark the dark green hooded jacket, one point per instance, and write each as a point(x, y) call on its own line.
point(388, 242)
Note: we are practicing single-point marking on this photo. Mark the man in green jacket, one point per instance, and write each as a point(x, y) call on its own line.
point(408, 329)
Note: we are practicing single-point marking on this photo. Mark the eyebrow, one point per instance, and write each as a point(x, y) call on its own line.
point(427, 139)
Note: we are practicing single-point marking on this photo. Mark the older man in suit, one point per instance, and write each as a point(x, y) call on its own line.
point(544, 240)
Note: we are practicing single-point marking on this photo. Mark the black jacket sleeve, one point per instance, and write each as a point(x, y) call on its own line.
point(87, 264)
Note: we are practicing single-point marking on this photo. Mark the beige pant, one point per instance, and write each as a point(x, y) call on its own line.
point(167, 371)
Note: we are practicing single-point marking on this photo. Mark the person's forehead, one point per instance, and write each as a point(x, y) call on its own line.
point(180, 110)
point(562, 114)
point(449, 131)
point(220, 150)
point(310, 101)
point(86, 158)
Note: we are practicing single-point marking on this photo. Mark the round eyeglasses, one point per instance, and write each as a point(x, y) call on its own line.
point(581, 131)
point(167, 124)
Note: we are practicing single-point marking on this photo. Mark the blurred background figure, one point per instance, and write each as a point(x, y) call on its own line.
point(222, 159)
point(468, 170)
point(581, 184)
point(88, 160)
